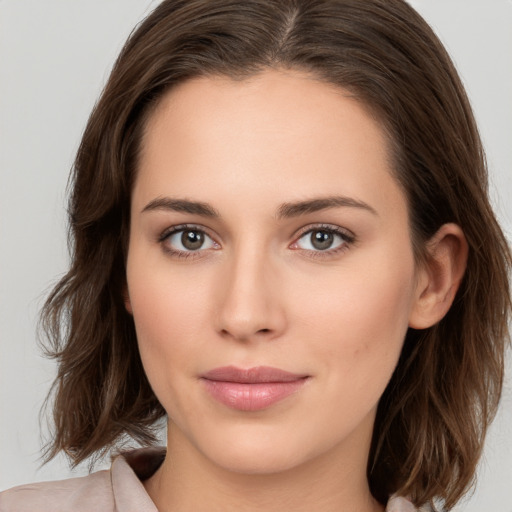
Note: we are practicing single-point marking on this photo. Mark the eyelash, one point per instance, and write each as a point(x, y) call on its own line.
point(347, 237)
point(178, 229)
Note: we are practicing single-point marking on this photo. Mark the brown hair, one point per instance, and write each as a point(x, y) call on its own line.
point(433, 416)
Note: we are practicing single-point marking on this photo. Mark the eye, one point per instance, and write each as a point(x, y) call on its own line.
point(183, 240)
point(323, 239)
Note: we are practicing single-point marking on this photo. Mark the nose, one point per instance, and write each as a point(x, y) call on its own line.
point(250, 303)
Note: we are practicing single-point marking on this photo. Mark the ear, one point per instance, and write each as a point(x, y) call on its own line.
point(126, 300)
point(439, 277)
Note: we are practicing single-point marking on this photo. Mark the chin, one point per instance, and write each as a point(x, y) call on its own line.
point(261, 451)
point(258, 462)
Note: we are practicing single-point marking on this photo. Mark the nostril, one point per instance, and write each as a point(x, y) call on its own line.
point(244, 336)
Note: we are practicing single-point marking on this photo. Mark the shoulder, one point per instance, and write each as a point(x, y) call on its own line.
point(119, 489)
point(400, 504)
point(84, 494)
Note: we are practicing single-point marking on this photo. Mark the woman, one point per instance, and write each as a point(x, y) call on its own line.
point(277, 216)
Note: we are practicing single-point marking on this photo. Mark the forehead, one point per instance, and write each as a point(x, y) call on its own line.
point(277, 132)
point(277, 103)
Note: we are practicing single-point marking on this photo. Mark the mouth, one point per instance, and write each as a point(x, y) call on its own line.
point(251, 389)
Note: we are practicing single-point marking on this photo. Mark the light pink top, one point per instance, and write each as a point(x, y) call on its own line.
point(116, 490)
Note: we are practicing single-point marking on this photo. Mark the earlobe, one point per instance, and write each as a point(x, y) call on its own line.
point(127, 301)
point(440, 276)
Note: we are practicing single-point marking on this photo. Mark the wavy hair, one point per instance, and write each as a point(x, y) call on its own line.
point(433, 415)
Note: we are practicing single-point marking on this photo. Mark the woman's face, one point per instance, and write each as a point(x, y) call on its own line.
point(267, 230)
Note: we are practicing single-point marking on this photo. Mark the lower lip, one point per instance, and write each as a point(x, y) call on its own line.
point(251, 396)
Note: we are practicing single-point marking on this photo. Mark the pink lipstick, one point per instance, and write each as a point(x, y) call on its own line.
point(251, 389)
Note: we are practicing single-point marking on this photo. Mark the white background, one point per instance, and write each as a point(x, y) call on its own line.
point(55, 56)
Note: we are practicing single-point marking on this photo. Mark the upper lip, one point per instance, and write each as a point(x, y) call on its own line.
point(255, 375)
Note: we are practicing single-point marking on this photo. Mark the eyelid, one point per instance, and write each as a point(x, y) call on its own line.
point(168, 232)
point(182, 227)
point(347, 236)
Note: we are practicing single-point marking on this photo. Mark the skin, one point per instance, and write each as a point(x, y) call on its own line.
point(258, 292)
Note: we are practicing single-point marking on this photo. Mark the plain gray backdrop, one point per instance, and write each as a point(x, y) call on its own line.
point(55, 56)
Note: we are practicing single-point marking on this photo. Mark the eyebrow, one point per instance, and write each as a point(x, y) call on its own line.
point(288, 210)
point(285, 211)
point(182, 205)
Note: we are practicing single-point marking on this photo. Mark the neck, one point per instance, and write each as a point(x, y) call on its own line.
point(187, 480)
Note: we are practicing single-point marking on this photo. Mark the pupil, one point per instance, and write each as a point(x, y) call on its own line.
point(192, 240)
point(321, 239)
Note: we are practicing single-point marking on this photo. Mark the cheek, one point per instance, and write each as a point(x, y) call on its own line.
point(358, 322)
point(167, 316)
point(168, 310)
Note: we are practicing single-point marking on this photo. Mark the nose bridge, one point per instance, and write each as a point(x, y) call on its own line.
point(250, 303)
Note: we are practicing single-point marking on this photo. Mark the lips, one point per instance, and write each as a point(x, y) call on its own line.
point(251, 389)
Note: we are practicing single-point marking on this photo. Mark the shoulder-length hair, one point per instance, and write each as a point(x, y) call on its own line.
point(433, 415)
